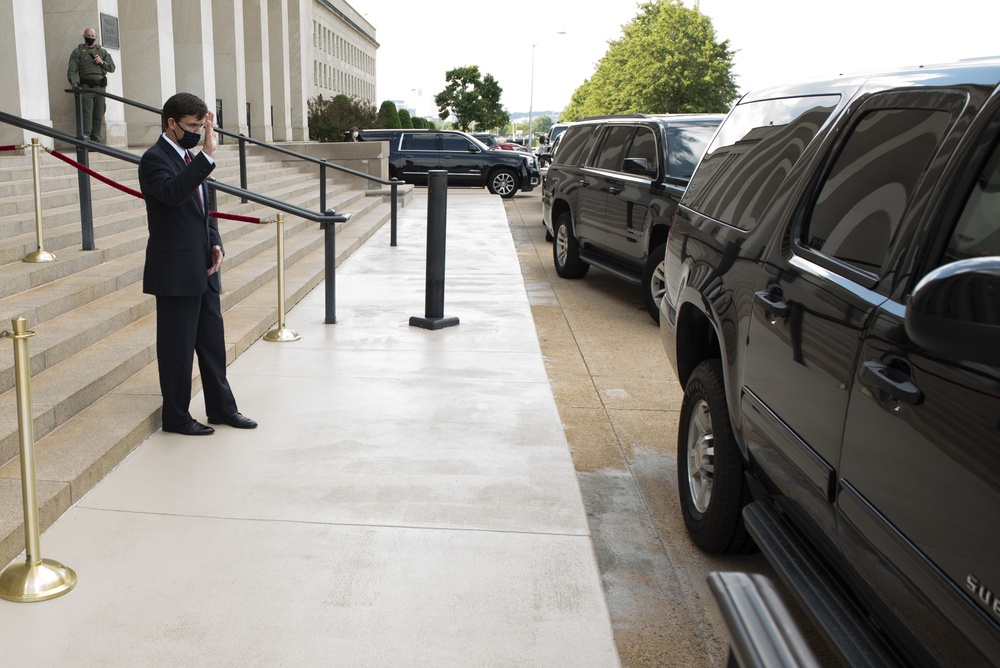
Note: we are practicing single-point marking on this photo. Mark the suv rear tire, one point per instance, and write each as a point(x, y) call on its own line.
point(653, 283)
point(565, 251)
point(710, 476)
point(503, 182)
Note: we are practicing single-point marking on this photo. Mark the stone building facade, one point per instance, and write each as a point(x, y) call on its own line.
point(256, 61)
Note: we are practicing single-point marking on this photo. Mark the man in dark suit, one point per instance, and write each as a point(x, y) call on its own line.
point(183, 256)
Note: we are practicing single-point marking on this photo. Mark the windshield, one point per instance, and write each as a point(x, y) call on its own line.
point(478, 142)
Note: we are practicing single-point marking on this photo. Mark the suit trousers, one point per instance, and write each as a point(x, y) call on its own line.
point(186, 326)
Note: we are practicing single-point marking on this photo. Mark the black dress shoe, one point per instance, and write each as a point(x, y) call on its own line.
point(237, 420)
point(192, 428)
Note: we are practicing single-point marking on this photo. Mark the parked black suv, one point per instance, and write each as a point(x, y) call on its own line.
point(611, 189)
point(469, 162)
point(832, 310)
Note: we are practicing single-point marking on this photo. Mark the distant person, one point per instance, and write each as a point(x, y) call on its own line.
point(353, 134)
point(89, 65)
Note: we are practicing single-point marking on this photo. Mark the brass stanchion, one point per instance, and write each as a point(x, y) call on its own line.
point(281, 333)
point(40, 255)
point(36, 579)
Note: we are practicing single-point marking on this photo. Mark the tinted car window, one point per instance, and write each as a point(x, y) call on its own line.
point(867, 190)
point(574, 146)
point(644, 147)
point(977, 233)
point(685, 146)
point(777, 131)
point(615, 139)
point(455, 143)
point(420, 142)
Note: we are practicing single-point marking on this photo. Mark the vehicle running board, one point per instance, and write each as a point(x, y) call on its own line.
point(832, 610)
point(762, 633)
point(610, 266)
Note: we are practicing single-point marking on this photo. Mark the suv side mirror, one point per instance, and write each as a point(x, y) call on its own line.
point(639, 166)
point(955, 311)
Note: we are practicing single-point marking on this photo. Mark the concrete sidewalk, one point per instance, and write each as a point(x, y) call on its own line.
point(408, 500)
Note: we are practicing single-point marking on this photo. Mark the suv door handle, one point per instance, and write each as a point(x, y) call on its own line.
point(894, 382)
point(584, 182)
point(614, 191)
point(772, 303)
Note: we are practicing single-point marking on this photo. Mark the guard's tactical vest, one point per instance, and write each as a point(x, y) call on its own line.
point(88, 68)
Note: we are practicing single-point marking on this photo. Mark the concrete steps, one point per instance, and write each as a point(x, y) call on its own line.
point(94, 380)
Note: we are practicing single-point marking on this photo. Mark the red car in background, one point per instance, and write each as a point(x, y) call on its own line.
point(494, 142)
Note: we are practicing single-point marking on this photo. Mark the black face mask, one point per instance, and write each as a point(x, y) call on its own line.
point(90, 40)
point(189, 140)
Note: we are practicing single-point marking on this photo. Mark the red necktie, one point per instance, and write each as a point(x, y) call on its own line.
point(187, 161)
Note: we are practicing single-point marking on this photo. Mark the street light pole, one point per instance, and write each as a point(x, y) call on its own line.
point(531, 98)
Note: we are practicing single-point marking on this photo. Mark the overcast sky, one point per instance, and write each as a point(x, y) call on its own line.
point(776, 41)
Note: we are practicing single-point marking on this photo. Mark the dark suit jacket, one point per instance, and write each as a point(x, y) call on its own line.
point(181, 234)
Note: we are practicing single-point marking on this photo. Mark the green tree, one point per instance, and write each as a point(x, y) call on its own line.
point(330, 119)
point(388, 117)
point(668, 60)
point(541, 125)
point(472, 98)
point(404, 119)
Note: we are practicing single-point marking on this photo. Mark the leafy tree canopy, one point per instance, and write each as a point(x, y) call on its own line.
point(404, 119)
point(472, 98)
point(667, 61)
point(388, 117)
point(329, 119)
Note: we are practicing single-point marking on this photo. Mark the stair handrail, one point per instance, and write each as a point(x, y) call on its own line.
point(85, 145)
point(243, 140)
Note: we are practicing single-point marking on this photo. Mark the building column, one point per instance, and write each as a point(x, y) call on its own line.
point(24, 80)
point(258, 71)
point(63, 30)
point(278, 25)
point(230, 65)
point(299, 66)
point(194, 50)
point(149, 48)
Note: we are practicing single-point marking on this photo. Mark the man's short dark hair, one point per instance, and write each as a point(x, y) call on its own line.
point(181, 105)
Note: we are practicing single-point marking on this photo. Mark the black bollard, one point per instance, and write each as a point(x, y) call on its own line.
point(330, 256)
point(437, 215)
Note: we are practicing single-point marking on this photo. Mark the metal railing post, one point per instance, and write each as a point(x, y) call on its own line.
point(322, 186)
point(243, 167)
point(40, 255)
point(83, 180)
point(35, 579)
point(437, 215)
point(281, 334)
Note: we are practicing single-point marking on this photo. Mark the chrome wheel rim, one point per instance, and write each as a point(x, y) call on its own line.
point(700, 456)
point(562, 244)
point(503, 183)
point(658, 284)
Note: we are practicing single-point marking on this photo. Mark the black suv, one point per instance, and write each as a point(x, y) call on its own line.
point(469, 162)
point(832, 310)
point(611, 189)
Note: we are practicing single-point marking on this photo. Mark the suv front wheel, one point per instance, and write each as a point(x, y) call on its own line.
point(709, 465)
point(565, 251)
point(503, 182)
point(653, 283)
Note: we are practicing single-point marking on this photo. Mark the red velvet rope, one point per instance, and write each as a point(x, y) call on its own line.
point(8, 147)
point(99, 177)
point(136, 193)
